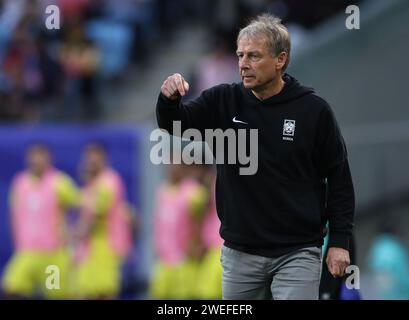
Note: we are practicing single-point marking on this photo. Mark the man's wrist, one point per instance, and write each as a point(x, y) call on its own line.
point(170, 101)
point(338, 240)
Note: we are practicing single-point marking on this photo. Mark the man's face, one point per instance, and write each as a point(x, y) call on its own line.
point(258, 66)
point(94, 161)
point(176, 172)
point(38, 160)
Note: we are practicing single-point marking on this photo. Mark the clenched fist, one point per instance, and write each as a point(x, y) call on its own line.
point(174, 86)
point(337, 261)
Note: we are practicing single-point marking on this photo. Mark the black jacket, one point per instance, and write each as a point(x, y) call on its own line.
point(303, 178)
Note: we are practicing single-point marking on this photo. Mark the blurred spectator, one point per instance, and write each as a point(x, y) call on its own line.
point(23, 79)
point(104, 231)
point(114, 43)
point(136, 25)
point(388, 262)
point(101, 39)
point(73, 8)
point(39, 199)
point(11, 11)
point(80, 61)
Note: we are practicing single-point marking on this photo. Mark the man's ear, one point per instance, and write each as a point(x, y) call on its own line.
point(281, 60)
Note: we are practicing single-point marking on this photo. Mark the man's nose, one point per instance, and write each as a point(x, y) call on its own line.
point(243, 64)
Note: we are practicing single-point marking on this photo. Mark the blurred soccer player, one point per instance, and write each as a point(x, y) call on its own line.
point(39, 198)
point(209, 276)
point(104, 229)
point(180, 204)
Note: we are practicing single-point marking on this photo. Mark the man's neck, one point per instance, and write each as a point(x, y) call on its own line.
point(37, 175)
point(271, 89)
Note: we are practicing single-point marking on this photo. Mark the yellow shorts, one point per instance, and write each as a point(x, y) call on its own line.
point(99, 275)
point(174, 281)
point(190, 279)
point(209, 277)
point(38, 272)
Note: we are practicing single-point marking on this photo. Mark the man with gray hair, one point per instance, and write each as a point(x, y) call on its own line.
point(273, 222)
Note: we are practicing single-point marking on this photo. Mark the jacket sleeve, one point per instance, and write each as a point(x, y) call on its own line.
point(199, 113)
point(340, 206)
point(332, 164)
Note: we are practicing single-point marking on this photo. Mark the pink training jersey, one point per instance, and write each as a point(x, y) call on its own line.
point(36, 214)
point(118, 228)
point(118, 223)
point(172, 221)
point(210, 232)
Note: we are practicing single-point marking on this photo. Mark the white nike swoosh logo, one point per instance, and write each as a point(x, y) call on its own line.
point(238, 121)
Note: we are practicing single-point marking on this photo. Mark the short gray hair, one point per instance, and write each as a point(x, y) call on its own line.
point(277, 35)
